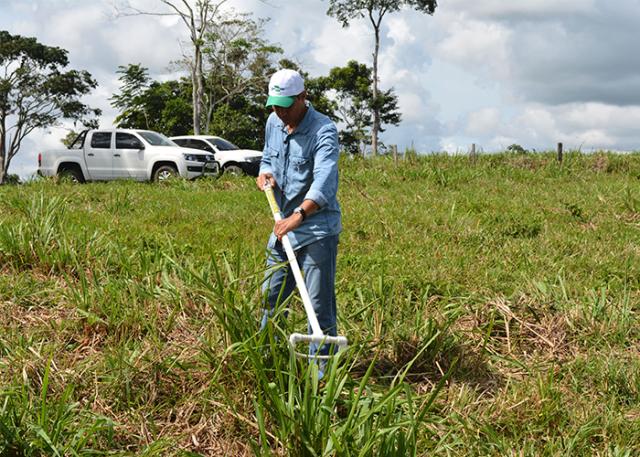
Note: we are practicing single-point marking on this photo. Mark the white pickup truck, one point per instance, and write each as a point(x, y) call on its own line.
point(143, 155)
point(231, 158)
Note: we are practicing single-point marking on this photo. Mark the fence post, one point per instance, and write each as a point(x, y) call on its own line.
point(560, 152)
point(472, 153)
point(394, 148)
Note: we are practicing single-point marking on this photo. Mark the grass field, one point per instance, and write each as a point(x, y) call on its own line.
point(491, 307)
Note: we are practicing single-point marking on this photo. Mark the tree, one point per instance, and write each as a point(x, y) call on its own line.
point(134, 79)
point(145, 104)
point(354, 103)
point(196, 16)
point(347, 10)
point(69, 138)
point(35, 92)
point(238, 62)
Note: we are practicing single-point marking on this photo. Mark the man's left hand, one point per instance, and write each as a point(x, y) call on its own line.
point(287, 224)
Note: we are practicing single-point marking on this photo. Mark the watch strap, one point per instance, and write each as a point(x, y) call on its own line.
point(300, 210)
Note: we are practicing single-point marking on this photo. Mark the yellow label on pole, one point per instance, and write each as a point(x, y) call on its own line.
point(272, 201)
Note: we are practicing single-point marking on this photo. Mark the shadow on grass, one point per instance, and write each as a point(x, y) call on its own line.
point(429, 365)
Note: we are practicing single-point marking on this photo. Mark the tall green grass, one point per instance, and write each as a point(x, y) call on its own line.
point(34, 423)
point(491, 307)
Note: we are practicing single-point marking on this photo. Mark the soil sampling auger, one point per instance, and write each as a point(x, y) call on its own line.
point(317, 336)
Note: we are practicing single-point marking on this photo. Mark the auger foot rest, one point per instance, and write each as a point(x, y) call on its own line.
point(339, 341)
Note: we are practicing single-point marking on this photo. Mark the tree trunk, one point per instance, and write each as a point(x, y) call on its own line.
point(209, 117)
point(196, 22)
point(376, 113)
point(196, 79)
point(2, 148)
point(2, 172)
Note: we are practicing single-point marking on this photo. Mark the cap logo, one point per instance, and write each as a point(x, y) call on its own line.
point(276, 89)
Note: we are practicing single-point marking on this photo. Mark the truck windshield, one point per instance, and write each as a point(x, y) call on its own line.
point(155, 139)
point(223, 145)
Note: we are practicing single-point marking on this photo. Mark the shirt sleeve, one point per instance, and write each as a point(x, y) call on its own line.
point(325, 169)
point(265, 162)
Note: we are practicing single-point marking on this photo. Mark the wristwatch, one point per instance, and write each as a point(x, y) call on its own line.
point(299, 210)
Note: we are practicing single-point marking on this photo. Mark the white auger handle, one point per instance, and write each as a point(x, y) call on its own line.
point(317, 335)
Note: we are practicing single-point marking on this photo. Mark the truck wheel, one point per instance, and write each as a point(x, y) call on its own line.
point(70, 175)
point(233, 170)
point(164, 173)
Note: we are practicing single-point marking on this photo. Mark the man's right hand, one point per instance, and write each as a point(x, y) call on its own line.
point(263, 178)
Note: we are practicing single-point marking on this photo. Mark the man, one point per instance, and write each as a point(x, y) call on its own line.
point(300, 161)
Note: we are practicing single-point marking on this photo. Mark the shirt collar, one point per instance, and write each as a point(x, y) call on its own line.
point(304, 125)
point(306, 120)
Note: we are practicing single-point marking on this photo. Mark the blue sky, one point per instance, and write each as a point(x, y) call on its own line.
point(495, 72)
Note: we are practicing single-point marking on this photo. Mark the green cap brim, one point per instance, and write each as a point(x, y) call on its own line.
point(280, 100)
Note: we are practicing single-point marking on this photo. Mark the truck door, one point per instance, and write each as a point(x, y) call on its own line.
point(128, 158)
point(99, 155)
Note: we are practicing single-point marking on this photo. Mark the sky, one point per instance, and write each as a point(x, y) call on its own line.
point(491, 72)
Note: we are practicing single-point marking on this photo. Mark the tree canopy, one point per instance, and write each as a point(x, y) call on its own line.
point(346, 11)
point(354, 104)
point(198, 16)
point(237, 64)
point(152, 105)
point(36, 92)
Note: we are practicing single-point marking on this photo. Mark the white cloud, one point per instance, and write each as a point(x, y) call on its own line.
point(617, 118)
point(412, 106)
point(78, 23)
point(483, 121)
point(527, 9)
point(334, 46)
point(587, 126)
point(536, 123)
point(162, 44)
point(481, 48)
point(501, 143)
point(399, 30)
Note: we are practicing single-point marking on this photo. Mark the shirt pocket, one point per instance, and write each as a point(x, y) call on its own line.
point(300, 156)
point(275, 160)
point(272, 152)
point(301, 165)
point(300, 176)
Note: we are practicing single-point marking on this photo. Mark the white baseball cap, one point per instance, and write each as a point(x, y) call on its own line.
point(284, 86)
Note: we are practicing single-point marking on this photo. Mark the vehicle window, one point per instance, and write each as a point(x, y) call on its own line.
point(223, 145)
point(155, 139)
point(199, 144)
point(180, 142)
point(127, 141)
point(101, 140)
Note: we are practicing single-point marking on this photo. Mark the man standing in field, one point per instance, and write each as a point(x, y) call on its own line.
point(300, 161)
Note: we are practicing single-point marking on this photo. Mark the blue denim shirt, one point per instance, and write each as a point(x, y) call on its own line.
point(305, 166)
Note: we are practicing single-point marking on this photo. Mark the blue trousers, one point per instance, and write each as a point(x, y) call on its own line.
point(318, 264)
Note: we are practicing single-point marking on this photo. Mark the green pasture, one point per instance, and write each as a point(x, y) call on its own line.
point(491, 307)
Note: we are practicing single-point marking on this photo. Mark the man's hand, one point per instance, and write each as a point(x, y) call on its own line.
point(263, 179)
point(286, 225)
